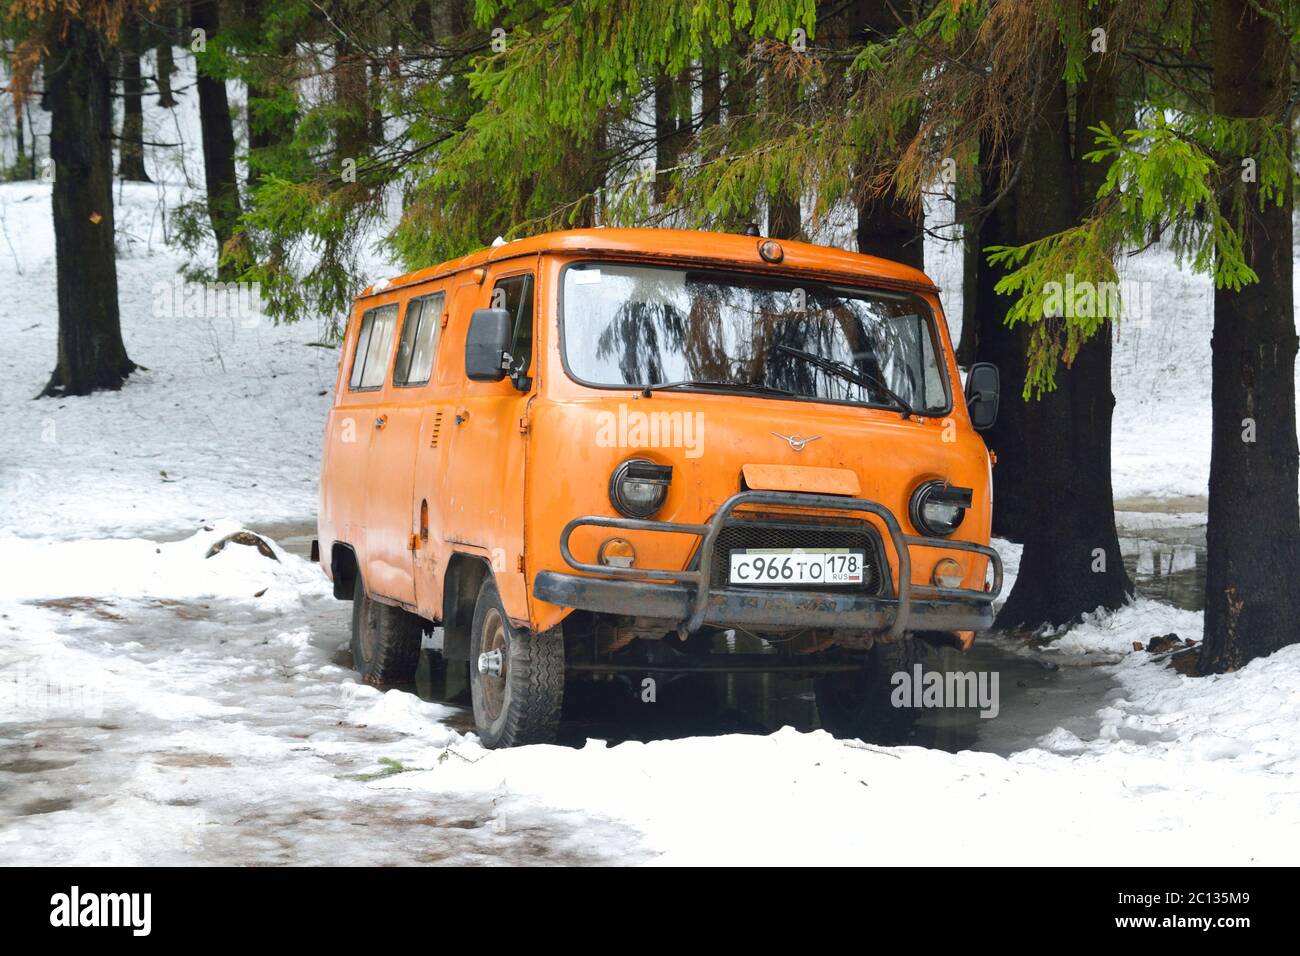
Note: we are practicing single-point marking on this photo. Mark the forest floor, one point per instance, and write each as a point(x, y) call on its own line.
point(160, 706)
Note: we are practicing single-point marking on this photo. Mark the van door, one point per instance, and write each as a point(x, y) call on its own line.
point(346, 471)
point(484, 488)
point(416, 371)
point(347, 443)
point(394, 429)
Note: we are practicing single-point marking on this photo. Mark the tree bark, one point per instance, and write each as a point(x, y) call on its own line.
point(888, 230)
point(672, 96)
point(162, 35)
point(268, 130)
point(166, 67)
point(21, 161)
point(1252, 602)
point(91, 355)
point(1004, 347)
point(738, 101)
point(131, 149)
point(886, 227)
point(1071, 562)
point(966, 212)
point(31, 157)
point(784, 213)
point(351, 96)
point(218, 142)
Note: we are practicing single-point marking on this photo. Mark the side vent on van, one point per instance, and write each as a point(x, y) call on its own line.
point(437, 429)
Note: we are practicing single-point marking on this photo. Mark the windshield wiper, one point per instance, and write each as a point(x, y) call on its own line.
point(646, 390)
point(850, 374)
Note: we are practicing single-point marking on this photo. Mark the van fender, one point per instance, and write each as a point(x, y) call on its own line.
point(343, 570)
point(460, 587)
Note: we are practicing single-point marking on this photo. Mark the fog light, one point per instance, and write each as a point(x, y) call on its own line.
point(617, 553)
point(947, 574)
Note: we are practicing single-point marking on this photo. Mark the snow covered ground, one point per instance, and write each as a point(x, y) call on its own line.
point(161, 706)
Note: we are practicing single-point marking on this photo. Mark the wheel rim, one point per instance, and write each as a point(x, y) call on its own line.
point(369, 625)
point(494, 685)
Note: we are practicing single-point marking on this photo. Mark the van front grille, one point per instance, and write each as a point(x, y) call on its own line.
point(741, 534)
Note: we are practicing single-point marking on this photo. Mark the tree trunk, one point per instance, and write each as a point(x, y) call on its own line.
point(162, 35)
point(1004, 347)
point(1252, 601)
point(738, 99)
point(784, 214)
point(131, 150)
point(888, 230)
point(261, 133)
point(218, 142)
point(966, 213)
point(31, 157)
point(351, 96)
point(1071, 562)
point(166, 67)
point(374, 104)
point(886, 227)
point(672, 98)
point(268, 129)
point(77, 93)
point(710, 88)
point(21, 163)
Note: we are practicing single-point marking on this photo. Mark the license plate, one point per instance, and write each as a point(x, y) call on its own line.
point(778, 566)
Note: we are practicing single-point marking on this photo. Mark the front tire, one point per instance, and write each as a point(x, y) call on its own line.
point(516, 678)
point(385, 640)
point(859, 703)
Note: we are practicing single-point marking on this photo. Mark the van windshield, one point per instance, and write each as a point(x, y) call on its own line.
point(635, 326)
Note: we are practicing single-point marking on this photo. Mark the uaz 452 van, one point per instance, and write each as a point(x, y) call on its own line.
point(607, 451)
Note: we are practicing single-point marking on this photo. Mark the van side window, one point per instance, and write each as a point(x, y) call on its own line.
point(515, 295)
point(419, 340)
point(374, 345)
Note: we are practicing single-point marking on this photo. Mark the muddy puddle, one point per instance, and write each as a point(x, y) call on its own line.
point(1165, 555)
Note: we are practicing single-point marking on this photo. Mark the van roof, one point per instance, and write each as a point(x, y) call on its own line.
point(685, 246)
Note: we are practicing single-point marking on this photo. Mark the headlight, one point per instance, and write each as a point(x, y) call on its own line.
point(938, 508)
point(638, 487)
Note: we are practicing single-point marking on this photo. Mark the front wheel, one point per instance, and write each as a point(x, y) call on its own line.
point(860, 703)
point(516, 678)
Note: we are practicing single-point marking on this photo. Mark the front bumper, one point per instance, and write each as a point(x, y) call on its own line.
point(687, 597)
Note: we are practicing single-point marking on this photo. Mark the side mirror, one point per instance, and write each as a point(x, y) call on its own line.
point(982, 387)
point(487, 344)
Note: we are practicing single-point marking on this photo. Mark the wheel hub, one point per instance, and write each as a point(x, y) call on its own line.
point(493, 667)
point(490, 663)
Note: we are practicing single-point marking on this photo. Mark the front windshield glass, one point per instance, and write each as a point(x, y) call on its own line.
point(631, 325)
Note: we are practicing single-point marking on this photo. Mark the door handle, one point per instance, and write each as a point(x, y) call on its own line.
point(462, 416)
point(381, 421)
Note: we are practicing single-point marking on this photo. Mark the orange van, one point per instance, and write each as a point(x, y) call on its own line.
point(604, 452)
